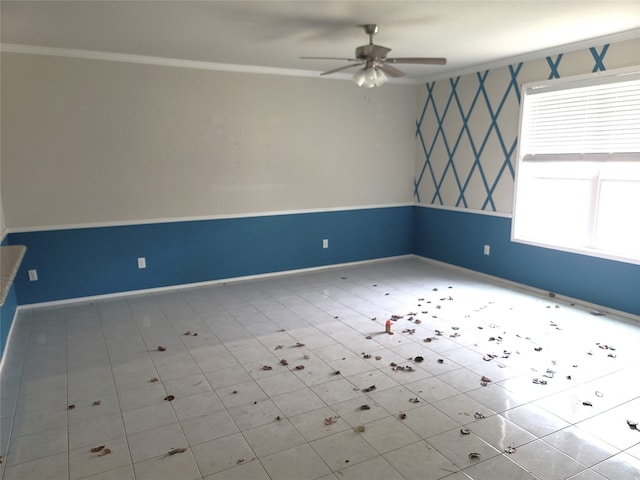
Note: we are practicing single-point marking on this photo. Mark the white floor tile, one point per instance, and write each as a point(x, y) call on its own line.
point(222, 453)
point(240, 421)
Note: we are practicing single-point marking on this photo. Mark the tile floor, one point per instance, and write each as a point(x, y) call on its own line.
point(237, 419)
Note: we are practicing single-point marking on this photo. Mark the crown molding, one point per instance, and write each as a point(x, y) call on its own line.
point(177, 63)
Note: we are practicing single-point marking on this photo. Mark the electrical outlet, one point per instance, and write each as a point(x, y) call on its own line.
point(142, 262)
point(33, 275)
point(487, 249)
point(325, 243)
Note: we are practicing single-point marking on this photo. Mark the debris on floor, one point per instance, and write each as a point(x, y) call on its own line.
point(369, 389)
point(175, 451)
point(330, 420)
point(474, 455)
point(161, 348)
point(510, 449)
point(170, 398)
point(101, 450)
point(465, 431)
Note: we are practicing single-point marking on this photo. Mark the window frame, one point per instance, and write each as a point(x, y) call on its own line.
point(597, 161)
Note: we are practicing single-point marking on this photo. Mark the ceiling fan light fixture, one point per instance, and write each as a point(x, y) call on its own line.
point(369, 77)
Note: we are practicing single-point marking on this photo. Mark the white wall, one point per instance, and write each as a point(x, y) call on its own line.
point(90, 141)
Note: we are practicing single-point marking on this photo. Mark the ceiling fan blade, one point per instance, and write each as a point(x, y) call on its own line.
point(418, 60)
point(389, 70)
point(344, 67)
point(331, 58)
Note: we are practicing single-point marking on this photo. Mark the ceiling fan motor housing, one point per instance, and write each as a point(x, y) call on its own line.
point(372, 52)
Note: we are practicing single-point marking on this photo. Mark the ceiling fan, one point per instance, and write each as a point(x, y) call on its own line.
point(376, 64)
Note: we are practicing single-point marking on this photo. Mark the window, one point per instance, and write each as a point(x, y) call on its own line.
point(578, 171)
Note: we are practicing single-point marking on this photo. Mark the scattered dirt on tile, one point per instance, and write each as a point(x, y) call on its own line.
point(365, 407)
point(71, 407)
point(175, 451)
point(510, 449)
point(474, 455)
point(104, 451)
point(96, 403)
point(402, 416)
point(161, 348)
point(267, 367)
point(369, 389)
point(96, 449)
point(279, 347)
point(300, 367)
point(154, 380)
point(170, 398)
point(284, 362)
point(330, 420)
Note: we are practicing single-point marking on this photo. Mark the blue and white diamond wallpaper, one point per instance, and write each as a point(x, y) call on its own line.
point(467, 127)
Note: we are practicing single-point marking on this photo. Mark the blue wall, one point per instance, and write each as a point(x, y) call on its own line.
point(458, 237)
point(81, 262)
point(7, 312)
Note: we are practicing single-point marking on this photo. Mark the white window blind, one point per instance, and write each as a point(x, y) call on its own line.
point(577, 185)
point(596, 117)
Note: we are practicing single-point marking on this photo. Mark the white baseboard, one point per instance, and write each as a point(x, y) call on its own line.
point(535, 291)
point(185, 286)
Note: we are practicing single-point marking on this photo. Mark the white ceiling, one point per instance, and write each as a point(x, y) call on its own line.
point(275, 34)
